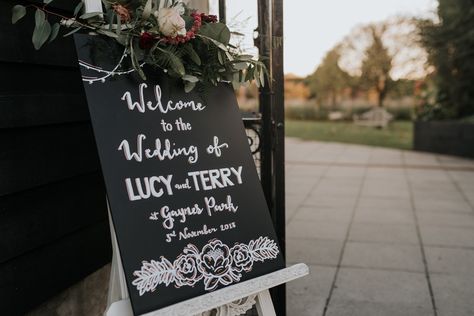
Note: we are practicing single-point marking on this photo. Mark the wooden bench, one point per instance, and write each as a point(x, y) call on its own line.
point(377, 117)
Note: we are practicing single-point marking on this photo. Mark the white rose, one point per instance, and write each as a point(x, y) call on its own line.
point(170, 22)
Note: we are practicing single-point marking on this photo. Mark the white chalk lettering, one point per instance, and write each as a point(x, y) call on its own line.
point(213, 206)
point(215, 148)
point(216, 178)
point(169, 215)
point(142, 105)
point(147, 187)
point(161, 152)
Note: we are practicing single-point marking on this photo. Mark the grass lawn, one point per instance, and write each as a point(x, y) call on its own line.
point(396, 135)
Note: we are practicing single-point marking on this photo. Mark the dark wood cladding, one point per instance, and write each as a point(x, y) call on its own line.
point(42, 155)
point(31, 279)
point(53, 216)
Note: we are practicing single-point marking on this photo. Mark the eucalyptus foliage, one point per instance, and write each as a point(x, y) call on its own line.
point(205, 58)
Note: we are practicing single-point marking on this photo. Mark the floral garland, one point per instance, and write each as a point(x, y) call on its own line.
point(165, 34)
point(215, 264)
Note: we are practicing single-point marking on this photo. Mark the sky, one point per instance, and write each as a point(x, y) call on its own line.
point(313, 27)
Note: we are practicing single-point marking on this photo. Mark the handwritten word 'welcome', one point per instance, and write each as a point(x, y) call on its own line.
point(142, 104)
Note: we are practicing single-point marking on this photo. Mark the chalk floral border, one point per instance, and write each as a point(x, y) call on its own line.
point(215, 264)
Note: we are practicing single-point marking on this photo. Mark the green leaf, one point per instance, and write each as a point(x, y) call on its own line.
point(177, 66)
point(256, 77)
point(110, 18)
point(18, 12)
point(47, 1)
point(217, 31)
point(106, 4)
point(39, 17)
point(174, 61)
point(147, 10)
point(217, 43)
point(78, 8)
point(240, 65)
point(237, 33)
point(220, 58)
point(190, 78)
point(119, 25)
point(41, 33)
point(89, 15)
point(229, 56)
point(107, 33)
point(189, 86)
point(122, 39)
point(135, 63)
point(245, 57)
point(54, 32)
point(191, 53)
point(73, 31)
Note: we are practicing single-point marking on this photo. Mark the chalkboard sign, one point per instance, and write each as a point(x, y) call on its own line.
point(185, 198)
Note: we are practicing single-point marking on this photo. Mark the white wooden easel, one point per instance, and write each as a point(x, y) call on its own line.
point(230, 301)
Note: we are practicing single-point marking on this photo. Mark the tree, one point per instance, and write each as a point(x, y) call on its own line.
point(378, 55)
point(376, 65)
point(450, 45)
point(329, 79)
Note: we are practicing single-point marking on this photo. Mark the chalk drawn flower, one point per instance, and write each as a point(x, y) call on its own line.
point(216, 264)
point(187, 267)
point(241, 258)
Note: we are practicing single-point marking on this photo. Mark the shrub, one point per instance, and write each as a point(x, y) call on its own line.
point(402, 113)
point(306, 112)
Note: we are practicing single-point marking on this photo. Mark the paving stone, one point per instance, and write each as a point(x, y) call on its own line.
point(388, 189)
point(385, 256)
point(307, 296)
point(324, 214)
point(308, 170)
point(437, 193)
point(383, 289)
point(385, 217)
point(386, 233)
point(313, 251)
point(447, 236)
point(354, 157)
point(453, 294)
point(355, 308)
point(316, 230)
point(450, 261)
point(384, 204)
point(463, 177)
point(418, 158)
point(424, 175)
point(446, 219)
point(345, 172)
point(300, 187)
point(384, 156)
point(442, 205)
point(385, 173)
point(453, 161)
point(333, 191)
point(331, 201)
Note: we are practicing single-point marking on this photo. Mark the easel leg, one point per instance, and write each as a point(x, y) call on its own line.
point(264, 304)
point(118, 292)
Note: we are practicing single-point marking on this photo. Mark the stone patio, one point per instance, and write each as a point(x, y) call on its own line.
point(384, 231)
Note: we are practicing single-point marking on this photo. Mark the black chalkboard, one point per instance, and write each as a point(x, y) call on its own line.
point(186, 202)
